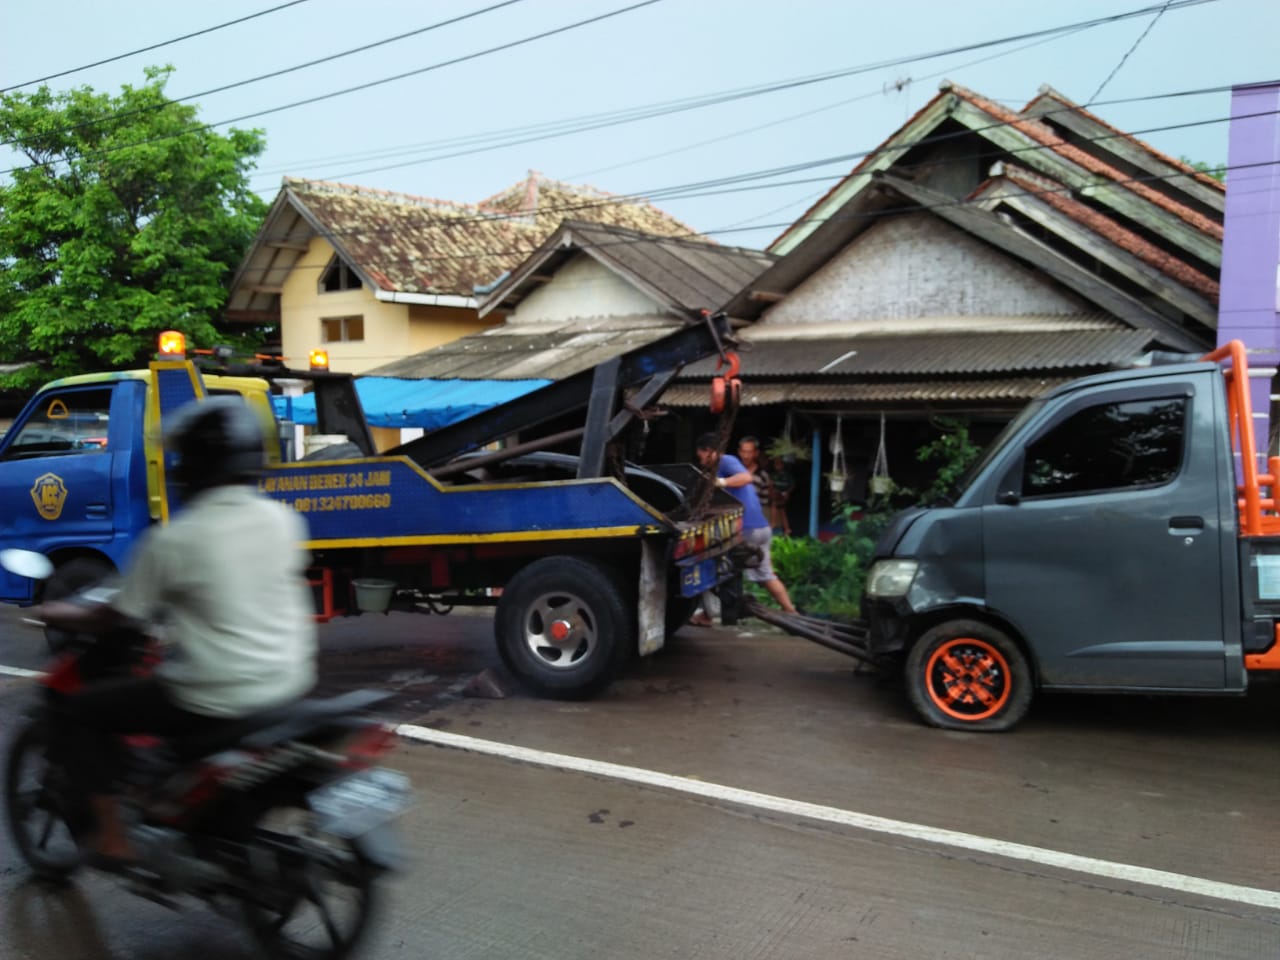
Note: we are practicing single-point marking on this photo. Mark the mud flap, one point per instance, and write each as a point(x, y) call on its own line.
point(653, 596)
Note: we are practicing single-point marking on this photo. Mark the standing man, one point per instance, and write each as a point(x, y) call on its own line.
point(733, 476)
point(749, 454)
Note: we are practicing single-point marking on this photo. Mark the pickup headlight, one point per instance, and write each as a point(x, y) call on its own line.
point(891, 578)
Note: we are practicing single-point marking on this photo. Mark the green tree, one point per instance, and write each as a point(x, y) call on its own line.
point(122, 217)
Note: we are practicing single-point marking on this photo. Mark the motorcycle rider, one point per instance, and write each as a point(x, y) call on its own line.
point(225, 581)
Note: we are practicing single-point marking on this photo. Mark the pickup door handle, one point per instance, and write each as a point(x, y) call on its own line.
point(95, 511)
point(1184, 525)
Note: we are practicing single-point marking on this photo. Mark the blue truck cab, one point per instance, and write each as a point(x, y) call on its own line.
point(1101, 543)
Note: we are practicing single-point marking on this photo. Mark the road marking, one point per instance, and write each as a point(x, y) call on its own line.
point(19, 672)
point(763, 801)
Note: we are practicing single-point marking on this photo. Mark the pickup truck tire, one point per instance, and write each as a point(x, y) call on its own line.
point(70, 578)
point(564, 627)
point(968, 675)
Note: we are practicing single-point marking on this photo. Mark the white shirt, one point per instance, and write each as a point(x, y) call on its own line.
point(226, 576)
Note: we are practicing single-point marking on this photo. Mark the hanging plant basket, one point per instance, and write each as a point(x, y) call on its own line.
point(788, 450)
point(881, 485)
point(836, 482)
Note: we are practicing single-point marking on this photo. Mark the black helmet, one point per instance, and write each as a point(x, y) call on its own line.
point(217, 441)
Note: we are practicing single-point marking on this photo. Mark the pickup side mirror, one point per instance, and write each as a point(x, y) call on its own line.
point(1009, 498)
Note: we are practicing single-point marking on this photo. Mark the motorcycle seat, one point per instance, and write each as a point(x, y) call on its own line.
point(278, 724)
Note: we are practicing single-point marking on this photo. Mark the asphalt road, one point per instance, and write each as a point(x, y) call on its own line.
point(748, 795)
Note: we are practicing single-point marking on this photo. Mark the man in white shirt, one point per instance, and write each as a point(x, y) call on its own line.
point(226, 578)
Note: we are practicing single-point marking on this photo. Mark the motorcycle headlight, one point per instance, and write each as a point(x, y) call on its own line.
point(890, 578)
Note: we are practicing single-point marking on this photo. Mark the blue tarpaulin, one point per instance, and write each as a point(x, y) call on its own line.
point(431, 404)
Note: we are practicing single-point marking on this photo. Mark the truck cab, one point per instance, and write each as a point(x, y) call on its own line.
point(1095, 546)
point(81, 471)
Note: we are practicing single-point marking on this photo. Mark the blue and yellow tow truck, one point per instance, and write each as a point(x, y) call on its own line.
point(587, 559)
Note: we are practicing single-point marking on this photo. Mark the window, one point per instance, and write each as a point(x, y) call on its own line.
point(341, 329)
point(1136, 443)
point(338, 276)
point(65, 422)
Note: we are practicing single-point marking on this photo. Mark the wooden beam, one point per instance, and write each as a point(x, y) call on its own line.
point(765, 296)
point(252, 316)
point(262, 287)
point(302, 246)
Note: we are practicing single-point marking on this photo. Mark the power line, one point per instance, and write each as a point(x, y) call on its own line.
point(735, 182)
point(671, 106)
point(590, 122)
point(374, 83)
point(1127, 53)
point(124, 114)
point(154, 46)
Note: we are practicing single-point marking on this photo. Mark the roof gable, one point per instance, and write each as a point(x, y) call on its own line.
point(919, 266)
point(682, 276)
point(399, 243)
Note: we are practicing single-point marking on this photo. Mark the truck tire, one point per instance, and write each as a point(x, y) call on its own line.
point(70, 578)
point(967, 675)
point(564, 627)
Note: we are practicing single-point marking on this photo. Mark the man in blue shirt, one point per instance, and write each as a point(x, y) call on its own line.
point(732, 476)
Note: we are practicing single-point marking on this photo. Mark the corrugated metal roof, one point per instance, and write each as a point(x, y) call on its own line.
point(686, 274)
point(551, 351)
point(936, 354)
point(1015, 390)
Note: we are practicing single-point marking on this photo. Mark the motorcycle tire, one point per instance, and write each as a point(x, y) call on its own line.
point(44, 832)
point(312, 896)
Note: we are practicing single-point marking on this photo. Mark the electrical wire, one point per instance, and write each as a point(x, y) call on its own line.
point(125, 114)
point(734, 183)
point(1116, 69)
point(375, 83)
point(154, 46)
point(606, 120)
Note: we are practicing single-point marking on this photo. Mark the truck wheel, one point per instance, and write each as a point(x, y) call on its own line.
point(70, 578)
point(967, 675)
point(563, 627)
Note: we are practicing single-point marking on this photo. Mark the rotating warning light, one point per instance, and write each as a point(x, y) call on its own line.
point(173, 344)
point(319, 359)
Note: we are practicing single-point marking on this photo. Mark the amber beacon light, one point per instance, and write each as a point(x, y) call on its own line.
point(173, 344)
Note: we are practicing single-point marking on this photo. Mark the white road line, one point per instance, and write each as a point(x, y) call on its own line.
point(949, 838)
point(19, 672)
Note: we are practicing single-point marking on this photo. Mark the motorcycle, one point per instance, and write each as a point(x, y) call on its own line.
point(280, 819)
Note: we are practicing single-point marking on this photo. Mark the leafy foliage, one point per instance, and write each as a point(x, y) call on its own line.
point(128, 218)
point(826, 577)
point(1217, 171)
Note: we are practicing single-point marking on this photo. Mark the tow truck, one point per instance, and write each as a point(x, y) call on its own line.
point(588, 559)
point(1120, 536)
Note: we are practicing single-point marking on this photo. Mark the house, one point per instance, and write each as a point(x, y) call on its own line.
point(374, 276)
point(590, 292)
point(976, 258)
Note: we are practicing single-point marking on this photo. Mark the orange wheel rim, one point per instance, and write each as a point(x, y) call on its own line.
point(968, 679)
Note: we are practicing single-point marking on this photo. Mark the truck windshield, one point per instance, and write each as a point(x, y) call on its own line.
point(996, 445)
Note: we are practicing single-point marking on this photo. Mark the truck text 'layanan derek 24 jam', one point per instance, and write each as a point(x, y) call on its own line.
point(588, 559)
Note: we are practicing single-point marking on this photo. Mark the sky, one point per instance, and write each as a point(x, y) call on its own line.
point(466, 130)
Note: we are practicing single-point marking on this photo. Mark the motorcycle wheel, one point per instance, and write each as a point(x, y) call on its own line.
point(312, 895)
point(38, 821)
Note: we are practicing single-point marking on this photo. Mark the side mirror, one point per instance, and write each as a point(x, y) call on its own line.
point(26, 563)
point(1009, 498)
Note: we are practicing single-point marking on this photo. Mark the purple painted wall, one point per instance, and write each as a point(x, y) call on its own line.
point(1249, 308)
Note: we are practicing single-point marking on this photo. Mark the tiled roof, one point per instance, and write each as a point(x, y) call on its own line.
point(1164, 158)
point(1043, 134)
point(1171, 266)
point(414, 244)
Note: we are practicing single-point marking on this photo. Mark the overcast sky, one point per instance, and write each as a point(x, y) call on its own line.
point(393, 135)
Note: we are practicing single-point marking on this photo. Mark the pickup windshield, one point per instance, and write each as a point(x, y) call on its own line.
point(996, 445)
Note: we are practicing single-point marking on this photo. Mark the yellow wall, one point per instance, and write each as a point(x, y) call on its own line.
point(391, 330)
point(432, 326)
point(303, 304)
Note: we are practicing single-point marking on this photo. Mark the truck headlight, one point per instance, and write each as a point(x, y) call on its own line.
point(891, 578)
